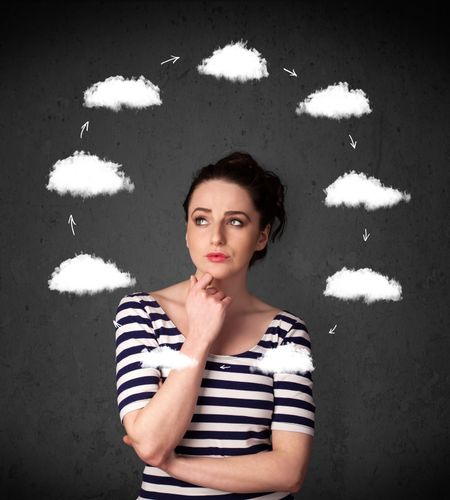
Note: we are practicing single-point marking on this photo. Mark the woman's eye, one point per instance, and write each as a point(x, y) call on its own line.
point(202, 218)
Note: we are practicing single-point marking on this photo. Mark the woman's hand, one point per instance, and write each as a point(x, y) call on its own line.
point(205, 309)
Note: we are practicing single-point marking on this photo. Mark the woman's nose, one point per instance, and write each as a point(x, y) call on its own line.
point(217, 234)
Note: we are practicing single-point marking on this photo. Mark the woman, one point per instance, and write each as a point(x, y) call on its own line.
point(217, 426)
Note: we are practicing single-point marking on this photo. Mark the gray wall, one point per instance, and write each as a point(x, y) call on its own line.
point(381, 381)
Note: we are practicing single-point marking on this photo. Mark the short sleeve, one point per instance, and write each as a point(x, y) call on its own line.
point(294, 407)
point(134, 333)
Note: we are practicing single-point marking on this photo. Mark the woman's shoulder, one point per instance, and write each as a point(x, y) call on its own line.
point(285, 313)
point(173, 293)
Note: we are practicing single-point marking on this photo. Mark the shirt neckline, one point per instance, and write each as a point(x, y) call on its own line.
point(210, 355)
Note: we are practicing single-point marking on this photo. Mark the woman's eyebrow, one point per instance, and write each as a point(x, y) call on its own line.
point(227, 212)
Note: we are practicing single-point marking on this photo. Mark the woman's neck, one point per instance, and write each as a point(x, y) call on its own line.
point(242, 300)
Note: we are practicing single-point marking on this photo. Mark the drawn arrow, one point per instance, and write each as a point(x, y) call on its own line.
point(291, 73)
point(71, 222)
point(352, 143)
point(173, 58)
point(365, 235)
point(85, 126)
point(332, 329)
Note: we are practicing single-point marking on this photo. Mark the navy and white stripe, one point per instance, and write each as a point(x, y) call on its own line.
point(236, 409)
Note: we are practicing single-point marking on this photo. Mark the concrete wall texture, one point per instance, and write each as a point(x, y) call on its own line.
point(381, 382)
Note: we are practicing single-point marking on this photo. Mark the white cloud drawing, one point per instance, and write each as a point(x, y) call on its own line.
point(350, 284)
point(235, 62)
point(86, 175)
point(336, 101)
point(165, 357)
point(117, 91)
point(355, 189)
point(289, 358)
point(87, 274)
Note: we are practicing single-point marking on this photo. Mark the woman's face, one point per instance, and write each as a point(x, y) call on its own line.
point(235, 235)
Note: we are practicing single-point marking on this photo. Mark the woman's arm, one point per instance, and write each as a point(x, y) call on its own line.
point(161, 424)
point(259, 472)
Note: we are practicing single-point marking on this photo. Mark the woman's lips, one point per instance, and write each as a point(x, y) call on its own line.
point(217, 258)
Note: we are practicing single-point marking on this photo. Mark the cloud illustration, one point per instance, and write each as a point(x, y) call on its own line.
point(355, 189)
point(87, 274)
point(350, 284)
point(165, 357)
point(336, 101)
point(235, 62)
point(117, 91)
point(289, 358)
point(86, 175)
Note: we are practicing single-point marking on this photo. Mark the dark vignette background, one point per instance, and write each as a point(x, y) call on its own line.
point(381, 381)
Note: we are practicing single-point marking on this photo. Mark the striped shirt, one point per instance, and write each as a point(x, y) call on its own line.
point(236, 409)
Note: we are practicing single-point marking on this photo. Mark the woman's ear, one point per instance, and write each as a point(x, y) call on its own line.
point(264, 236)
